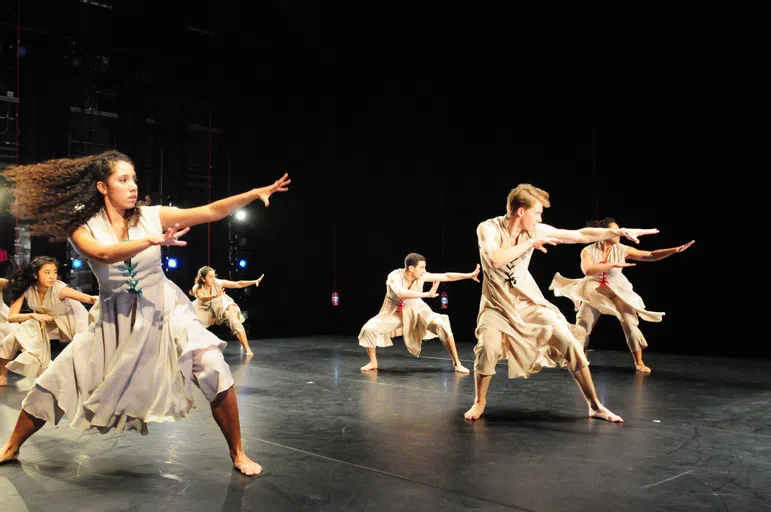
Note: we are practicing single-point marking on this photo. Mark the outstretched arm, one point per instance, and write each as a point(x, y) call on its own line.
point(490, 245)
point(15, 315)
point(206, 298)
point(113, 253)
point(222, 208)
point(590, 235)
point(660, 254)
point(69, 293)
point(451, 276)
point(241, 284)
point(405, 293)
point(589, 268)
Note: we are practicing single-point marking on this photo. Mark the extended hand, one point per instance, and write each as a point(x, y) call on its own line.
point(475, 274)
point(432, 292)
point(280, 185)
point(633, 234)
point(257, 282)
point(538, 243)
point(685, 246)
point(170, 237)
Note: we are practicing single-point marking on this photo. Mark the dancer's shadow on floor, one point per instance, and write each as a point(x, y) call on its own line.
point(522, 417)
point(507, 421)
point(234, 498)
point(236, 358)
point(679, 377)
point(412, 371)
point(16, 390)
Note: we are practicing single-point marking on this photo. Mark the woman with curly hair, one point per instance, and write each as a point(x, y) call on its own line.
point(57, 313)
point(139, 360)
point(606, 291)
point(214, 306)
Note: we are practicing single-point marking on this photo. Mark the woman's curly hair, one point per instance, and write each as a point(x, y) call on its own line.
point(60, 195)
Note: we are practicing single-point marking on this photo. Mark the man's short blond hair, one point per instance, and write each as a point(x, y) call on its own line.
point(526, 195)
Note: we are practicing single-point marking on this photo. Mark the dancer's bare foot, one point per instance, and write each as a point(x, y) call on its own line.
point(246, 465)
point(476, 411)
point(642, 368)
point(249, 353)
point(3, 380)
point(603, 413)
point(7, 454)
point(369, 366)
point(461, 369)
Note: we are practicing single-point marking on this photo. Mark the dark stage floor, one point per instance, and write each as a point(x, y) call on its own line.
point(697, 437)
